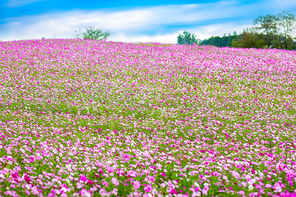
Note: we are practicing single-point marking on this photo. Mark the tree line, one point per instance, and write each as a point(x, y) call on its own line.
point(271, 31)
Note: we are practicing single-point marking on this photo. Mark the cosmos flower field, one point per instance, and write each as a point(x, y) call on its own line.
point(101, 118)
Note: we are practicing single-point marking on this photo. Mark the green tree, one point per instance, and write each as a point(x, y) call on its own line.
point(250, 39)
point(217, 41)
point(93, 34)
point(187, 38)
point(287, 22)
point(269, 26)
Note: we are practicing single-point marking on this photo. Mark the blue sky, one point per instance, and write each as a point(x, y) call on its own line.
point(132, 21)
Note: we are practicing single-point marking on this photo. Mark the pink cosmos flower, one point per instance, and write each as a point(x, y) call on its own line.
point(205, 191)
point(268, 186)
point(65, 195)
point(163, 174)
point(115, 191)
point(159, 166)
point(105, 184)
point(137, 184)
point(235, 174)
point(151, 178)
point(102, 191)
point(175, 181)
point(241, 193)
point(132, 173)
point(115, 181)
point(110, 169)
point(248, 177)
point(277, 187)
point(215, 173)
point(148, 188)
point(85, 193)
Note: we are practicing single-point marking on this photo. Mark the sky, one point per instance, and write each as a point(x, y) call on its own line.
point(158, 21)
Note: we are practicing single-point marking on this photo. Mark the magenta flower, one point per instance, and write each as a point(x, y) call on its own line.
point(243, 169)
point(148, 188)
point(65, 186)
point(15, 175)
point(89, 182)
point(163, 174)
point(173, 191)
point(27, 178)
point(83, 178)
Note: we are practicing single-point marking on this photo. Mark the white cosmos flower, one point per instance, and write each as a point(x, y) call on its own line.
point(251, 187)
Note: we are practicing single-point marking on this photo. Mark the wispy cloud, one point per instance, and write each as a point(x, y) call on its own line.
point(19, 3)
point(281, 4)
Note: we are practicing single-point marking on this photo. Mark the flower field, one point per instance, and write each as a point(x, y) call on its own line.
point(98, 118)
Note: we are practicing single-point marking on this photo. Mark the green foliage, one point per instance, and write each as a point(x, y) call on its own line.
point(272, 31)
point(277, 30)
point(269, 26)
point(287, 21)
point(250, 39)
point(187, 38)
point(92, 34)
point(217, 41)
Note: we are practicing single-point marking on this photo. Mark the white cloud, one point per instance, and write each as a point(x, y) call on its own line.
point(201, 32)
point(19, 3)
point(131, 25)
